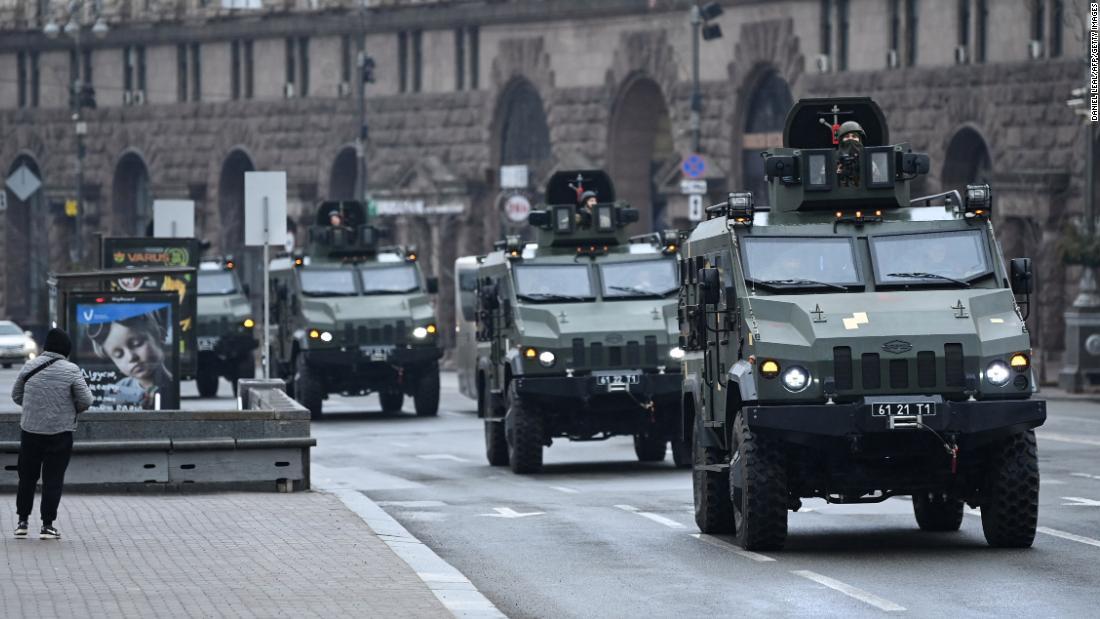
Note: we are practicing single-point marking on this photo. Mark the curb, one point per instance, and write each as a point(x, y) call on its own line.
point(450, 586)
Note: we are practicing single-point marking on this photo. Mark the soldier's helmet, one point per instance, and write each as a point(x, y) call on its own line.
point(585, 196)
point(851, 126)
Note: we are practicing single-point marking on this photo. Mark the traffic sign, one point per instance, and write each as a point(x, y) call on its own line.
point(695, 207)
point(264, 208)
point(517, 208)
point(690, 186)
point(174, 218)
point(694, 166)
point(513, 177)
point(23, 183)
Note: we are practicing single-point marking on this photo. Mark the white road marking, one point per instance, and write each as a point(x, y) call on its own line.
point(1085, 475)
point(1066, 438)
point(1053, 482)
point(668, 522)
point(1080, 501)
point(1077, 419)
point(850, 591)
point(398, 444)
point(411, 503)
point(442, 457)
point(724, 545)
point(565, 489)
point(508, 512)
point(1070, 536)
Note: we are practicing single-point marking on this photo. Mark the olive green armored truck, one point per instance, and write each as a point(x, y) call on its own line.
point(353, 317)
point(225, 327)
point(578, 330)
point(852, 343)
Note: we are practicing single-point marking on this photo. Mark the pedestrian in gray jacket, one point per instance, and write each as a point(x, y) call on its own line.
point(52, 392)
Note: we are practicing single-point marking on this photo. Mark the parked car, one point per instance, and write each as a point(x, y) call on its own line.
point(16, 345)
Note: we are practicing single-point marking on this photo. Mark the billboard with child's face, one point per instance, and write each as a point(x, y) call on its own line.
point(154, 252)
point(127, 347)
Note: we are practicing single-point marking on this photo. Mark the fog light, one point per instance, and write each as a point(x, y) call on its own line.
point(431, 329)
point(1019, 362)
point(314, 334)
point(420, 333)
point(769, 369)
point(547, 359)
point(997, 373)
point(676, 353)
point(796, 379)
point(530, 353)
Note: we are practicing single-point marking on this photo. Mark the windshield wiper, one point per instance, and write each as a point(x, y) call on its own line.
point(922, 275)
point(638, 290)
point(549, 296)
point(802, 282)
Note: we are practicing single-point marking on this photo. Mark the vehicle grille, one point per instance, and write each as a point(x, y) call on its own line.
point(634, 354)
point(896, 373)
point(377, 335)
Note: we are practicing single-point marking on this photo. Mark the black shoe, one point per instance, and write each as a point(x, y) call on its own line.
point(49, 532)
point(21, 529)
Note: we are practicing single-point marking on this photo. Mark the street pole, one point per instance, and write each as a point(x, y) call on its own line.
point(79, 128)
point(267, 293)
point(361, 137)
point(696, 95)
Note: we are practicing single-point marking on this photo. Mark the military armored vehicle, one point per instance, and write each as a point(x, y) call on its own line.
point(225, 327)
point(466, 344)
point(854, 344)
point(354, 317)
point(580, 330)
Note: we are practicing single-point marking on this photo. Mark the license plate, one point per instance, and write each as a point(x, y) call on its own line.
point(207, 342)
point(618, 382)
point(903, 409)
point(374, 354)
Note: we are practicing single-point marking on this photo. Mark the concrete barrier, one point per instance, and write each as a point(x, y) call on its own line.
point(264, 446)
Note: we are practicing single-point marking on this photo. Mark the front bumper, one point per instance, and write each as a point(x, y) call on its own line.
point(967, 421)
point(648, 387)
point(365, 356)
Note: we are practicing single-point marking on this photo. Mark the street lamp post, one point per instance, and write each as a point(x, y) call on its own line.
point(701, 26)
point(81, 95)
point(366, 76)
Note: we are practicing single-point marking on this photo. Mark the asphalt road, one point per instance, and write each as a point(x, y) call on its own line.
point(599, 534)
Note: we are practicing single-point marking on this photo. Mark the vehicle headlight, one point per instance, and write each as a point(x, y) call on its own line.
point(997, 373)
point(326, 336)
point(420, 333)
point(796, 378)
point(29, 346)
point(546, 358)
point(676, 353)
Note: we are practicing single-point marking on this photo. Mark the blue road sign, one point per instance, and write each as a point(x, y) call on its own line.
point(694, 166)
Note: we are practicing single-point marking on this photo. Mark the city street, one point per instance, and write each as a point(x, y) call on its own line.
point(599, 534)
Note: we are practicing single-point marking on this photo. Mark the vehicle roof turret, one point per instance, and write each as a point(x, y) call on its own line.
point(566, 225)
point(341, 231)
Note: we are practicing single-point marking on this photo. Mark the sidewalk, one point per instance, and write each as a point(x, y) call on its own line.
point(206, 555)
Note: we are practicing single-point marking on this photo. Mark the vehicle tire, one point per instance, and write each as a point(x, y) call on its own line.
point(426, 396)
point(760, 505)
point(681, 453)
point(649, 448)
point(938, 512)
point(524, 430)
point(1010, 509)
point(206, 379)
point(713, 510)
point(307, 389)
point(245, 368)
point(496, 442)
point(391, 400)
point(7, 366)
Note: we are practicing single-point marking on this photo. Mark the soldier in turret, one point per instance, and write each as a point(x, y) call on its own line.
point(850, 147)
point(586, 209)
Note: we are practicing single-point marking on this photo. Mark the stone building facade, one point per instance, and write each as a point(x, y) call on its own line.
point(190, 94)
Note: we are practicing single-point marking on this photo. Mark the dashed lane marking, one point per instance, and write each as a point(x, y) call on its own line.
point(442, 457)
point(668, 522)
point(1080, 501)
point(853, 592)
point(411, 503)
point(1070, 536)
point(1065, 438)
point(565, 489)
point(718, 542)
point(398, 444)
point(1085, 476)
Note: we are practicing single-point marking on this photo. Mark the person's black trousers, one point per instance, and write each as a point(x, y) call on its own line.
point(46, 455)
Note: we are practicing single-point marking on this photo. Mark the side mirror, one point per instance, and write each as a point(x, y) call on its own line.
point(433, 285)
point(709, 286)
point(1020, 275)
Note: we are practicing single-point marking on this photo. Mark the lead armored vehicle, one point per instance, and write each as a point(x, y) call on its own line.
point(226, 343)
point(354, 317)
point(854, 344)
point(578, 330)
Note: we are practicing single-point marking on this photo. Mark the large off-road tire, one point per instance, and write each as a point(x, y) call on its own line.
point(426, 396)
point(7, 366)
point(649, 447)
point(206, 379)
point(760, 504)
point(1010, 508)
point(681, 453)
point(307, 389)
point(245, 368)
point(391, 400)
point(713, 510)
point(524, 429)
point(936, 511)
point(496, 442)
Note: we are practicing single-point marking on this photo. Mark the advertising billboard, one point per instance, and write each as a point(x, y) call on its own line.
point(161, 252)
point(127, 347)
